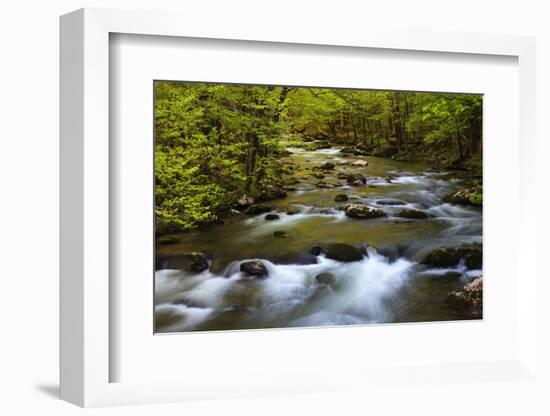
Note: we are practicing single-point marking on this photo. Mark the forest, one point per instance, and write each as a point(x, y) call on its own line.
point(218, 146)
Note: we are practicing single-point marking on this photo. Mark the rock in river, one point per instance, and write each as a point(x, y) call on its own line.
point(279, 233)
point(244, 202)
point(360, 163)
point(412, 213)
point(342, 175)
point(254, 268)
point(390, 202)
point(470, 196)
point(327, 279)
point(271, 217)
point(318, 175)
point(257, 209)
point(469, 299)
point(315, 250)
point(361, 211)
point(356, 178)
point(341, 198)
point(293, 211)
point(328, 166)
point(451, 256)
point(189, 262)
point(271, 192)
point(343, 252)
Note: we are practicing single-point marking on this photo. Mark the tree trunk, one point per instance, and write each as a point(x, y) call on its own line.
point(363, 129)
point(355, 137)
point(253, 142)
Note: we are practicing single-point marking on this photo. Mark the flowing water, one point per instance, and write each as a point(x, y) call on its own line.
point(387, 285)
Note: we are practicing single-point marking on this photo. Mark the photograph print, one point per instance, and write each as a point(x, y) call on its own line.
point(285, 207)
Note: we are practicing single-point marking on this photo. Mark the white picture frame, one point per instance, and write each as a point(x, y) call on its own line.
point(86, 356)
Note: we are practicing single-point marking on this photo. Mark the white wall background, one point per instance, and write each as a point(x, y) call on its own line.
point(29, 207)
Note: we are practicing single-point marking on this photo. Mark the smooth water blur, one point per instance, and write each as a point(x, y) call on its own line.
point(388, 285)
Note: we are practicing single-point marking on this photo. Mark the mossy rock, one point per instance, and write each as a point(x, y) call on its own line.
point(254, 268)
point(293, 211)
point(363, 212)
point(257, 209)
point(343, 252)
point(451, 256)
point(412, 214)
point(469, 300)
point(356, 178)
point(472, 196)
point(327, 166)
point(341, 198)
point(318, 175)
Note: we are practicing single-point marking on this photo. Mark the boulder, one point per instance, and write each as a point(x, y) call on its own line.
point(471, 196)
point(412, 214)
point(327, 166)
point(342, 175)
point(469, 300)
point(361, 211)
point(293, 257)
point(257, 209)
point(353, 178)
point(360, 163)
point(385, 152)
point(390, 202)
point(293, 211)
point(279, 233)
point(315, 250)
point(189, 262)
point(321, 144)
point(271, 192)
point(348, 150)
point(244, 202)
point(326, 279)
point(343, 252)
point(253, 268)
point(451, 256)
point(318, 175)
point(341, 198)
point(271, 217)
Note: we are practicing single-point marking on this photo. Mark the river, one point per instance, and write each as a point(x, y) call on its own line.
point(388, 285)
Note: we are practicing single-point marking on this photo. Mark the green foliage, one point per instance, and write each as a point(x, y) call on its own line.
point(476, 198)
point(212, 144)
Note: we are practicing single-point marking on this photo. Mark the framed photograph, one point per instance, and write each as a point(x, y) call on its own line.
point(268, 213)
